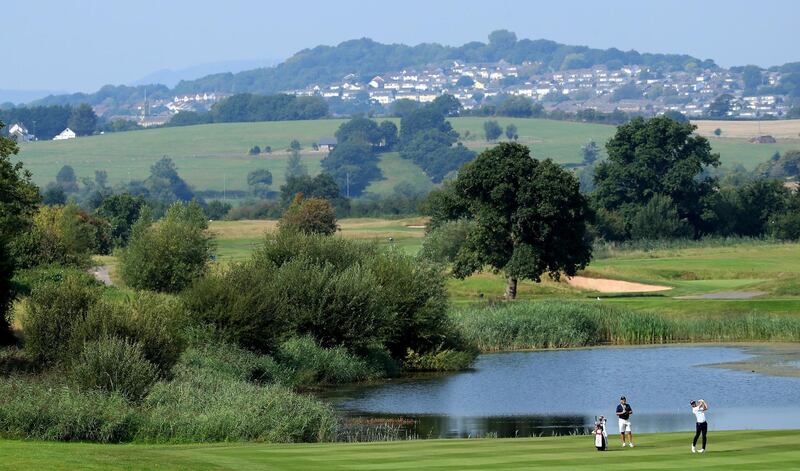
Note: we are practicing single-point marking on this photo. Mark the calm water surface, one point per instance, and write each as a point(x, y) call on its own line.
point(554, 392)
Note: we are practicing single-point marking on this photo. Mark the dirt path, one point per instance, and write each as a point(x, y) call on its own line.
point(102, 275)
point(604, 285)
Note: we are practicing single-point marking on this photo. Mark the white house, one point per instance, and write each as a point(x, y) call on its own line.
point(19, 133)
point(65, 134)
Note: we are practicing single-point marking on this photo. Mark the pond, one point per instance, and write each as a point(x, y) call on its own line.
point(561, 392)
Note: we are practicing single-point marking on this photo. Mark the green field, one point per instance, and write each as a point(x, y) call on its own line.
point(751, 450)
point(214, 156)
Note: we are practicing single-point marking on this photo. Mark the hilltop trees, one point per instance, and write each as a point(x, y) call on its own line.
point(653, 157)
point(529, 217)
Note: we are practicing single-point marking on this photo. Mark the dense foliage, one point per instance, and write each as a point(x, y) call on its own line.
point(428, 139)
point(653, 157)
point(339, 292)
point(166, 255)
point(18, 200)
point(247, 107)
point(310, 216)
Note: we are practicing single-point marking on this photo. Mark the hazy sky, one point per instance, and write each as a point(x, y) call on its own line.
point(83, 44)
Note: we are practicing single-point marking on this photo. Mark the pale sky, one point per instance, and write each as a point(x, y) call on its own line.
point(83, 44)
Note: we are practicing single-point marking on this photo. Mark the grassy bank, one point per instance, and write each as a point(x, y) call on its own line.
point(669, 451)
point(564, 324)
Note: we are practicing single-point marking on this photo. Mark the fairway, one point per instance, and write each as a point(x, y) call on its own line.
point(767, 450)
point(214, 156)
point(773, 268)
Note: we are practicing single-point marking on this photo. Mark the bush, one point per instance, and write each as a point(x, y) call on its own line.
point(312, 364)
point(115, 365)
point(786, 226)
point(659, 219)
point(54, 310)
point(342, 293)
point(438, 360)
point(310, 216)
point(60, 235)
point(152, 321)
point(241, 303)
point(48, 410)
point(167, 255)
point(442, 244)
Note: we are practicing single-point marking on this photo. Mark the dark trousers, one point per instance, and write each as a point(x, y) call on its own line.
point(700, 428)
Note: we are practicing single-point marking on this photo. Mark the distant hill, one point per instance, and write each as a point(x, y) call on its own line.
point(366, 58)
point(23, 96)
point(170, 77)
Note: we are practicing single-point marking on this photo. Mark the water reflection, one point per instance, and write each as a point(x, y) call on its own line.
point(561, 392)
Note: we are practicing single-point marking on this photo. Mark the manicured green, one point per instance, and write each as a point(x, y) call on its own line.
point(746, 450)
point(215, 156)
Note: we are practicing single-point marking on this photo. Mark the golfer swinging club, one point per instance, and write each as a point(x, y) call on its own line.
point(624, 412)
point(699, 409)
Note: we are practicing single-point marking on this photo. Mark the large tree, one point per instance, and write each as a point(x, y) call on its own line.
point(658, 156)
point(529, 217)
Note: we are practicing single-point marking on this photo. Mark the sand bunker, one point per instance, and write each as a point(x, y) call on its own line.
point(603, 285)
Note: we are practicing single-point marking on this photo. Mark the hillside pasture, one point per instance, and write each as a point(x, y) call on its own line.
point(214, 156)
point(779, 129)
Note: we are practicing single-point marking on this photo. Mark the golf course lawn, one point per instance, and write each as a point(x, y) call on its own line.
point(769, 267)
point(769, 450)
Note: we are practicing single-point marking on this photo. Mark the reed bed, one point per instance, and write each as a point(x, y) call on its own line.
point(566, 324)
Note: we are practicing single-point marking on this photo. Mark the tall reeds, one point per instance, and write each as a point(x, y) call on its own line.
point(563, 324)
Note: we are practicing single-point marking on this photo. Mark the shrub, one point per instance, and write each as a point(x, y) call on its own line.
point(54, 310)
point(60, 235)
point(281, 247)
point(241, 303)
point(48, 410)
point(310, 216)
point(167, 255)
point(786, 226)
point(312, 364)
point(342, 293)
point(115, 365)
point(152, 321)
point(659, 219)
point(438, 360)
point(442, 244)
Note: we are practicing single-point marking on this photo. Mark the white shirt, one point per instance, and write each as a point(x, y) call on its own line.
point(699, 413)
